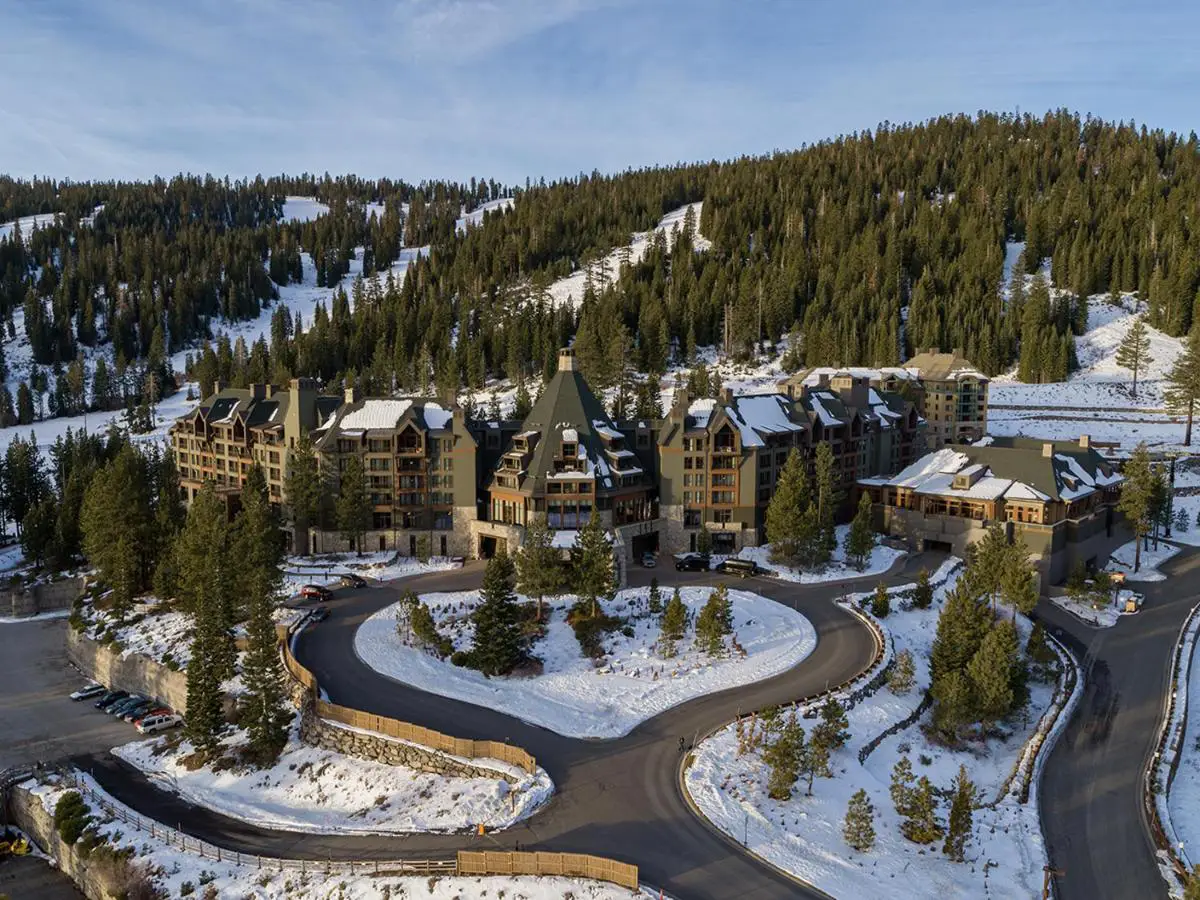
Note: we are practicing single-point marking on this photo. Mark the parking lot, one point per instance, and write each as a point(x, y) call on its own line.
point(38, 722)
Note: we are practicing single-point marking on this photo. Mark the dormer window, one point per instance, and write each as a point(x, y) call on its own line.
point(569, 449)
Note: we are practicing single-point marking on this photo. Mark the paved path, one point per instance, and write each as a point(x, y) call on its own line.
point(1091, 801)
point(619, 798)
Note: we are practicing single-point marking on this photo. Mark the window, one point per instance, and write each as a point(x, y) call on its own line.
point(722, 496)
point(381, 520)
point(723, 516)
point(448, 445)
point(691, 518)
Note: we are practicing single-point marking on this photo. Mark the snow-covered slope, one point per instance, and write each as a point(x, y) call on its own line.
point(26, 224)
point(475, 217)
point(570, 289)
point(302, 209)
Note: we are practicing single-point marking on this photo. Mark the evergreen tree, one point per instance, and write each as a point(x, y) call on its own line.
point(958, 830)
point(990, 672)
point(715, 622)
point(923, 593)
point(814, 760)
point(1137, 497)
point(497, 648)
point(903, 674)
point(354, 504)
point(303, 490)
point(1134, 351)
point(858, 828)
point(903, 787)
point(953, 704)
point(834, 727)
point(654, 599)
point(674, 624)
point(922, 826)
point(259, 552)
point(784, 756)
point(962, 624)
point(1018, 582)
point(591, 565)
point(1183, 384)
point(704, 540)
point(881, 603)
point(826, 501)
point(860, 540)
point(1181, 520)
point(539, 564)
point(119, 504)
point(25, 413)
point(784, 518)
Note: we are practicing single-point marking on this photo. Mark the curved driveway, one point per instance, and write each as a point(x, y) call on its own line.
point(1091, 791)
point(619, 798)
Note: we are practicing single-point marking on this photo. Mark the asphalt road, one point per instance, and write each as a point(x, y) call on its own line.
point(1091, 803)
point(619, 798)
point(38, 721)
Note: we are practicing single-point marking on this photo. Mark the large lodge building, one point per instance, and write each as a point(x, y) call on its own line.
point(447, 485)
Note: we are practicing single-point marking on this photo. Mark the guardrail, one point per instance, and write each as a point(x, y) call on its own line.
point(405, 731)
point(1170, 733)
point(576, 865)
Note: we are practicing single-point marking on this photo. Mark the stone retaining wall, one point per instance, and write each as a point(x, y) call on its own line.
point(39, 598)
point(361, 744)
point(98, 879)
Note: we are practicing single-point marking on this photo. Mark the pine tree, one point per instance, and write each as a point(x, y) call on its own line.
point(958, 830)
point(826, 501)
point(903, 674)
point(923, 593)
point(881, 603)
point(922, 826)
point(953, 704)
point(654, 599)
point(784, 756)
point(715, 622)
point(118, 505)
point(704, 540)
point(259, 552)
point(302, 488)
point(903, 787)
point(1137, 497)
point(1134, 351)
point(991, 673)
point(784, 518)
point(860, 540)
point(834, 725)
point(353, 504)
point(814, 760)
point(962, 624)
point(858, 828)
point(497, 647)
point(1183, 384)
point(539, 564)
point(591, 565)
point(1181, 520)
point(674, 624)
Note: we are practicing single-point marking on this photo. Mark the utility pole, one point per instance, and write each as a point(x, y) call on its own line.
point(1047, 872)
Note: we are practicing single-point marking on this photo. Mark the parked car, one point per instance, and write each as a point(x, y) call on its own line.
point(153, 711)
point(92, 689)
point(315, 592)
point(320, 613)
point(351, 580)
point(692, 562)
point(649, 561)
point(743, 568)
point(110, 698)
point(138, 710)
point(151, 724)
point(119, 708)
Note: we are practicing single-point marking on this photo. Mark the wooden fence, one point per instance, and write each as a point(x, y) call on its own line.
point(579, 865)
point(406, 731)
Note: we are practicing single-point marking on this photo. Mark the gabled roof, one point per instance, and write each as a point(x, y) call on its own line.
point(384, 414)
point(760, 416)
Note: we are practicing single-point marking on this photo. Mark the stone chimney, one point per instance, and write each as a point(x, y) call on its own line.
point(1085, 441)
point(682, 399)
point(269, 390)
point(258, 391)
point(351, 394)
point(823, 381)
point(725, 396)
point(566, 360)
point(1047, 450)
point(219, 386)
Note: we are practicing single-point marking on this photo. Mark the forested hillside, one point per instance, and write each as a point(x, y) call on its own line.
point(862, 248)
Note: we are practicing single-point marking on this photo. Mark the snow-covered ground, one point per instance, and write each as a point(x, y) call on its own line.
point(1104, 616)
point(804, 835)
point(569, 290)
point(1182, 803)
point(327, 569)
point(474, 218)
point(572, 696)
point(315, 790)
point(26, 224)
point(1097, 398)
point(173, 868)
point(302, 209)
point(882, 558)
point(1123, 557)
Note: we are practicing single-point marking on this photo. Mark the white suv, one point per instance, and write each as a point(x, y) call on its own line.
point(151, 724)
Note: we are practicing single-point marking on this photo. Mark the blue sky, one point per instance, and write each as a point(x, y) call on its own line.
point(513, 88)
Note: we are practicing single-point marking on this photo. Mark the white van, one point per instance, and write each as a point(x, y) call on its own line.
point(151, 724)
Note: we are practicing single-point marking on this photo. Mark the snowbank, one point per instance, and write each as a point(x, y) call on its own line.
point(1123, 557)
point(315, 790)
point(1179, 806)
point(327, 570)
point(574, 698)
point(837, 569)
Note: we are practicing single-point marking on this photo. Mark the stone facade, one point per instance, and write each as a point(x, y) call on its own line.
point(319, 732)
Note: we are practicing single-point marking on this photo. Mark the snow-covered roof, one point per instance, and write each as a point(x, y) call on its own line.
point(437, 417)
point(374, 414)
point(827, 418)
point(935, 473)
point(605, 430)
point(812, 377)
point(1085, 481)
point(760, 415)
point(700, 411)
point(570, 434)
